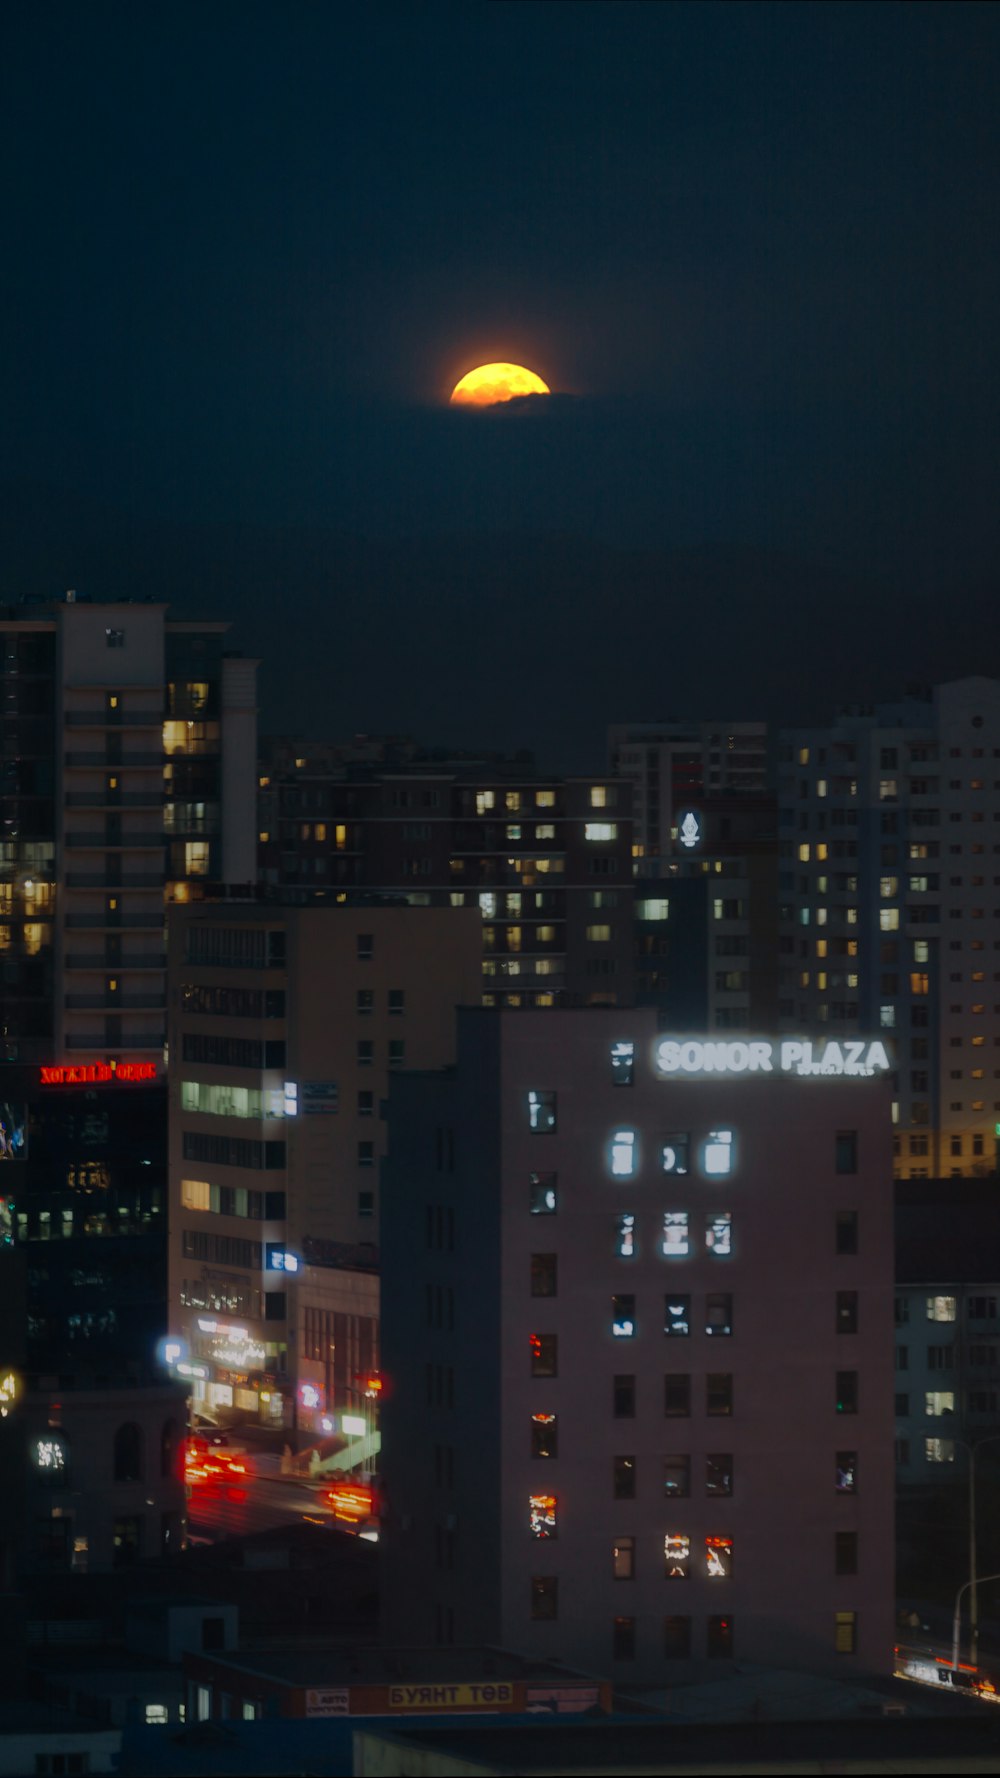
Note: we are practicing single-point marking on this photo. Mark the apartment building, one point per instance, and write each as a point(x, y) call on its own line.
point(286, 1025)
point(637, 1345)
point(127, 779)
point(546, 861)
point(889, 906)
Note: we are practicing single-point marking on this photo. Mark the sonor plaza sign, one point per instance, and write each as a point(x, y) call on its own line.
point(857, 1057)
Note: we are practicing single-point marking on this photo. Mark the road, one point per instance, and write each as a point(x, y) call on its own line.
point(236, 1506)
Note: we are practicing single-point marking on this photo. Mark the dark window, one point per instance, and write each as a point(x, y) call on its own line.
point(623, 1398)
point(366, 947)
point(623, 1639)
point(126, 1541)
point(213, 1632)
point(902, 1406)
point(365, 1000)
point(845, 1632)
point(719, 1638)
point(677, 1638)
point(847, 1231)
point(719, 1392)
point(846, 1151)
point(847, 1311)
point(623, 1487)
point(168, 1448)
point(677, 1477)
point(543, 1274)
point(128, 1453)
point(677, 1395)
point(845, 1552)
point(397, 1052)
point(274, 1305)
point(544, 1435)
point(366, 1052)
point(366, 1103)
point(623, 1558)
point(366, 1154)
point(544, 1597)
point(397, 1000)
point(719, 1474)
point(718, 1313)
point(544, 1355)
point(847, 1392)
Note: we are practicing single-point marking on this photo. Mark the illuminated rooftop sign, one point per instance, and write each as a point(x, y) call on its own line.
point(692, 1056)
point(75, 1074)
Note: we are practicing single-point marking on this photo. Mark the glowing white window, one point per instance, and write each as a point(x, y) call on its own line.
point(676, 1239)
point(887, 1017)
point(677, 1555)
point(157, 1713)
point(939, 1450)
point(622, 1063)
point(719, 1233)
point(821, 787)
point(717, 1154)
point(545, 830)
point(623, 1317)
point(485, 800)
point(487, 905)
point(655, 908)
point(674, 1155)
point(600, 830)
point(541, 1112)
point(625, 1235)
point(938, 1402)
point(542, 1198)
point(623, 1154)
point(941, 1308)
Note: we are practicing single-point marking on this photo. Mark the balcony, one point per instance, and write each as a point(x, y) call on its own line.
point(126, 842)
point(125, 763)
point(152, 921)
point(99, 1040)
point(104, 798)
point(97, 961)
point(113, 719)
point(104, 879)
point(115, 1002)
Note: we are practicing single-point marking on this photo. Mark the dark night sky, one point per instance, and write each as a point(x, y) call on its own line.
point(248, 248)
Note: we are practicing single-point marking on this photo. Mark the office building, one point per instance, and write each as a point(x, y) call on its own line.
point(127, 778)
point(637, 1348)
point(546, 861)
point(889, 911)
point(286, 1024)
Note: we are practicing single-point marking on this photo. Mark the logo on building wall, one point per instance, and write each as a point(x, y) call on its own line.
point(859, 1058)
point(689, 829)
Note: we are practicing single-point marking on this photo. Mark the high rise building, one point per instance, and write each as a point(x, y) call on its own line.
point(286, 1025)
point(127, 778)
point(545, 860)
point(637, 1349)
point(705, 862)
point(890, 913)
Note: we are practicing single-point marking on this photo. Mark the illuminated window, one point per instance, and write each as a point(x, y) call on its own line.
point(512, 800)
point(600, 830)
point(542, 1510)
point(623, 1154)
point(599, 934)
point(803, 756)
point(485, 800)
point(919, 983)
point(821, 787)
point(545, 799)
point(846, 1472)
point(888, 887)
point(676, 1555)
point(655, 908)
point(888, 919)
point(541, 1112)
point(822, 854)
point(545, 830)
point(196, 856)
point(321, 830)
point(718, 1557)
point(623, 1317)
point(676, 1242)
point(196, 1194)
point(719, 1475)
point(804, 852)
point(625, 1235)
point(544, 1436)
point(677, 1316)
point(941, 1308)
point(888, 790)
point(845, 1632)
point(719, 1233)
point(542, 1194)
point(513, 938)
point(513, 830)
point(717, 1154)
point(622, 1063)
point(674, 1158)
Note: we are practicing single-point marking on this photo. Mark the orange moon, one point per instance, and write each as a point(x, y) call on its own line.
point(491, 383)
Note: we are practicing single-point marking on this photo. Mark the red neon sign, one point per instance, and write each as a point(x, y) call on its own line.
point(74, 1074)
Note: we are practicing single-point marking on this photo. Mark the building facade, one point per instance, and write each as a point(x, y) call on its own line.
point(286, 1024)
point(126, 779)
point(637, 1349)
point(545, 861)
point(889, 906)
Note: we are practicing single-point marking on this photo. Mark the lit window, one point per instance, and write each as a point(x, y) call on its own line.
point(157, 1713)
point(804, 852)
point(919, 983)
point(545, 799)
point(542, 1197)
point(941, 1308)
point(847, 1472)
point(622, 1063)
point(623, 1154)
point(544, 1435)
point(196, 855)
point(845, 1632)
point(513, 830)
point(196, 1194)
point(600, 830)
point(676, 1242)
point(888, 790)
point(485, 800)
point(512, 801)
point(821, 787)
point(938, 1402)
point(599, 934)
point(545, 830)
point(719, 1233)
point(541, 1112)
point(677, 1316)
point(888, 887)
point(542, 1515)
point(718, 1557)
point(656, 908)
point(677, 1555)
point(675, 1154)
point(625, 1235)
point(717, 1155)
point(939, 1450)
point(888, 919)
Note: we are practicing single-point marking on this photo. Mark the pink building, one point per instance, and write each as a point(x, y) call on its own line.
point(637, 1341)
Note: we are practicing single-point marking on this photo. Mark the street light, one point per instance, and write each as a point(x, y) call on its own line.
point(979, 1579)
point(972, 1583)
